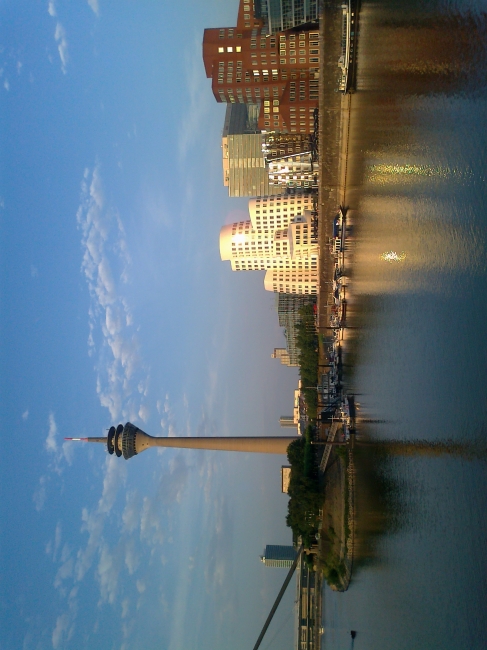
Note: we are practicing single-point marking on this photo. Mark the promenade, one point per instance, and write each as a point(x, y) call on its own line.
point(334, 127)
point(334, 115)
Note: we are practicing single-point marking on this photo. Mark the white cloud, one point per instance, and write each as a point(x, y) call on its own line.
point(112, 334)
point(108, 571)
point(40, 494)
point(59, 454)
point(62, 45)
point(51, 440)
point(65, 571)
point(131, 513)
point(94, 6)
point(59, 37)
point(141, 587)
point(144, 412)
point(63, 623)
point(125, 607)
point(132, 558)
point(6, 85)
point(64, 628)
point(93, 522)
point(25, 414)
point(57, 539)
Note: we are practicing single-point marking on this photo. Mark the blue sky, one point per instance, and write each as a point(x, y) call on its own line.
point(115, 307)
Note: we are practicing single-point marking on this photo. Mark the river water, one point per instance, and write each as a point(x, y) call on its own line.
point(418, 354)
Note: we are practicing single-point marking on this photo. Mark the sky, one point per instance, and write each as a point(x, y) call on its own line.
point(115, 306)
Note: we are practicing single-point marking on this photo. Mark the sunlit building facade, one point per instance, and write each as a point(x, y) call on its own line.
point(283, 355)
point(244, 167)
point(292, 281)
point(295, 171)
point(248, 65)
point(273, 212)
point(279, 238)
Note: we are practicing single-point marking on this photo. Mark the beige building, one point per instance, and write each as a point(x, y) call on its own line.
point(244, 168)
point(291, 281)
point(274, 212)
point(283, 355)
point(280, 240)
point(285, 478)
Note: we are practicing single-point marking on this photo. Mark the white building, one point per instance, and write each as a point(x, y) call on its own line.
point(292, 281)
point(279, 238)
point(274, 212)
point(293, 171)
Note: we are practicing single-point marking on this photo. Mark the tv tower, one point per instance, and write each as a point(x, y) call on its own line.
point(129, 440)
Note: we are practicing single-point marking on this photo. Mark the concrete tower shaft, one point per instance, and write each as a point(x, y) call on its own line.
point(129, 441)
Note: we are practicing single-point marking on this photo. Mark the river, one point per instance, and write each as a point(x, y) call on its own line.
point(417, 355)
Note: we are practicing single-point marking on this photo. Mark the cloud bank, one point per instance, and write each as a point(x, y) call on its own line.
point(112, 340)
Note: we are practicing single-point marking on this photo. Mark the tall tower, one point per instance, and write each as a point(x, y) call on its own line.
point(128, 440)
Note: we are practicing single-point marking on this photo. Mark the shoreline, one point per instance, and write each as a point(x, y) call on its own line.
point(334, 137)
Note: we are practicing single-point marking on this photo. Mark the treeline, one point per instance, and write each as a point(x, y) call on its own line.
point(307, 342)
point(305, 499)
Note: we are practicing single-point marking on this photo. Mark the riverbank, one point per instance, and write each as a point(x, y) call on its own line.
point(335, 551)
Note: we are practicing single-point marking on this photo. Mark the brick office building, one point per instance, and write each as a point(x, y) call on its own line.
point(280, 71)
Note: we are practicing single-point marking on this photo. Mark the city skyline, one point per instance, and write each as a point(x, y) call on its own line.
point(119, 309)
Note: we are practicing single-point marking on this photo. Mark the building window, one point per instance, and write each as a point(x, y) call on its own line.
point(229, 49)
point(221, 49)
point(238, 48)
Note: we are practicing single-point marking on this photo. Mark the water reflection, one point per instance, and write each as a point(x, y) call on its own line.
point(381, 506)
point(416, 353)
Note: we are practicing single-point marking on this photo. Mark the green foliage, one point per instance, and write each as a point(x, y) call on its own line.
point(332, 577)
point(307, 342)
point(305, 498)
point(309, 561)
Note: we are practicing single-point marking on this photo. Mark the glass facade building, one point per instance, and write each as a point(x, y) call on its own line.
point(278, 556)
point(281, 15)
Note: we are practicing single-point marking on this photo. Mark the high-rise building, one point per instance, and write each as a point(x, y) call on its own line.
point(279, 556)
point(291, 281)
point(275, 212)
point(280, 15)
point(287, 421)
point(281, 242)
point(285, 249)
point(244, 167)
point(294, 172)
point(248, 65)
point(281, 145)
point(283, 355)
point(241, 118)
point(288, 306)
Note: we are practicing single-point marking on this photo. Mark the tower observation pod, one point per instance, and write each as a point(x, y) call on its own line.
point(128, 440)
